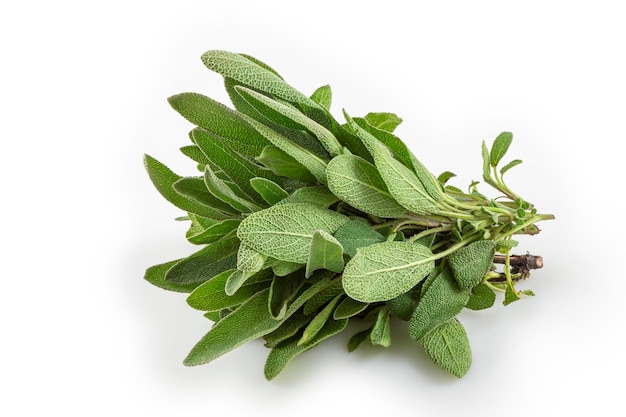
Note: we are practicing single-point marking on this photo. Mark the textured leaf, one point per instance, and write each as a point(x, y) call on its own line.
point(163, 179)
point(381, 331)
point(394, 143)
point(281, 355)
point(510, 165)
point(470, 263)
point(358, 338)
point(318, 322)
point(220, 120)
point(195, 154)
point(280, 163)
point(271, 192)
point(206, 263)
point(285, 231)
point(235, 280)
point(325, 253)
point(442, 301)
point(295, 119)
point(289, 328)
point(358, 183)
point(194, 188)
point(282, 268)
point(323, 96)
point(348, 308)
point(384, 121)
point(401, 306)
point(282, 291)
point(221, 190)
point(448, 346)
point(510, 295)
point(317, 196)
point(499, 147)
point(200, 234)
point(385, 270)
point(210, 296)
point(482, 297)
point(357, 234)
point(155, 275)
point(249, 260)
point(486, 163)
point(322, 298)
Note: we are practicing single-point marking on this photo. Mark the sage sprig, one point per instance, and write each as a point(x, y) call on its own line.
point(308, 224)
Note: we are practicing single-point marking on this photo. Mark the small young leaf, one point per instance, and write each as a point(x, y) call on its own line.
point(282, 291)
point(357, 234)
point(448, 346)
point(155, 275)
point(235, 280)
point(280, 163)
point(482, 297)
point(510, 295)
point(349, 308)
point(442, 301)
point(445, 176)
point(510, 165)
point(325, 253)
point(381, 331)
point(499, 147)
point(323, 96)
point(285, 231)
point(486, 164)
point(384, 121)
point(470, 263)
point(358, 183)
point(385, 270)
point(358, 338)
point(271, 192)
point(318, 322)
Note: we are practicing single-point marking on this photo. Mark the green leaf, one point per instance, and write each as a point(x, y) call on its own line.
point(280, 163)
point(349, 308)
point(499, 147)
point(358, 338)
point(282, 268)
point(221, 190)
point(482, 297)
point(285, 231)
point(385, 270)
point(289, 328)
point(315, 164)
point(402, 183)
point(295, 119)
point(281, 355)
point(318, 322)
point(220, 120)
point(470, 263)
point(199, 234)
point(442, 301)
point(322, 298)
point(510, 165)
point(195, 154)
point(357, 234)
point(317, 195)
point(195, 189)
point(282, 291)
point(358, 183)
point(271, 192)
point(235, 280)
point(323, 96)
point(203, 265)
point(384, 121)
point(325, 253)
point(155, 275)
point(486, 164)
point(401, 306)
point(163, 179)
point(394, 143)
point(510, 295)
point(445, 176)
point(211, 296)
point(249, 260)
point(448, 346)
point(381, 331)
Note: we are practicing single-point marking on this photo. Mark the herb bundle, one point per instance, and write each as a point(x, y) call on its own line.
point(306, 224)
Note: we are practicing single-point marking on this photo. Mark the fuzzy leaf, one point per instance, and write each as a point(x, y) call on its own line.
point(194, 188)
point(349, 308)
point(325, 253)
point(285, 231)
point(322, 298)
point(282, 268)
point(289, 328)
point(448, 346)
point(357, 234)
point(280, 163)
point(510, 165)
point(401, 306)
point(470, 263)
point(358, 183)
point(385, 270)
point(510, 295)
point(249, 260)
point(381, 331)
point(323, 96)
point(271, 192)
point(317, 196)
point(221, 190)
point(486, 163)
point(482, 297)
point(499, 147)
point(318, 322)
point(206, 263)
point(442, 301)
point(358, 338)
point(384, 121)
point(282, 292)
point(394, 143)
point(200, 234)
point(155, 275)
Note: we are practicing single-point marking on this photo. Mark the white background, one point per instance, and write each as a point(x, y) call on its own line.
point(83, 96)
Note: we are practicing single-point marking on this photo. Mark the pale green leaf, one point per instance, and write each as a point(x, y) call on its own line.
point(316, 195)
point(235, 280)
point(486, 163)
point(383, 271)
point(358, 183)
point(322, 298)
point(394, 143)
point(323, 96)
point(285, 231)
point(448, 346)
point(280, 163)
point(499, 147)
point(381, 331)
point(249, 260)
point(318, 322)
point(271, 192)
point(510, 295)
point(383, 121)
point(325, 253)
point(442, 301)
point(470, 263)
point(357, 234)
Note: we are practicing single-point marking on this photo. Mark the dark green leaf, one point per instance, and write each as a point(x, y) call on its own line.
point(289, 328)
point(358, 338)
point(201, 234)
point(510, 295)
point(322, 297)
point(318, 322)
point(222, 191)
point(316, 195)
point(280, 163)
point(194, 188)
point(401, 306)
point(282, 291)
point(155, 275)
point(510, 165)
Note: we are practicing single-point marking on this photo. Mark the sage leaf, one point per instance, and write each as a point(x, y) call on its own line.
point(486, 163)
point(394, 143)
point(401, 306)
point(280, 163)
point(499, 147)
point(510, 295)
point(381, 331)
point(155, 275)
point(322, 298)
point(282, 268)
point(482, 297)
point(318, 322)
point(200, 234)
point(249, 260)
point(323, 96)
point(383, 271)
point(194, 188)
point(211, 296)
point(357, 339)
point(348, 308)
point(195, 154)
point(281, 355)
point(384, 121)
point(235, 280)
point(203, 265)
point(325, 253)
point(222, 191)
point(448, 346)
point(510, 165)
point(220, 120)
point(358, 183)
point(289, 328)
point(357, 234)
point(285, 231)
point(282, 292)
point(316, 195)
point(442, 301)
point(470, 263)
point(271, 192)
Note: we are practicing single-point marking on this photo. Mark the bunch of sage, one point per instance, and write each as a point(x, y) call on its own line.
point(306, 224)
